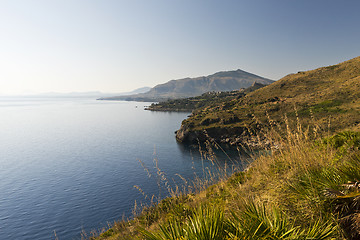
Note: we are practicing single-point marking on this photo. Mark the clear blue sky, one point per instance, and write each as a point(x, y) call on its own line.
point(115, 46)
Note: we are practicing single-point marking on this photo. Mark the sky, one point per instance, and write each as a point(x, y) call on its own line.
point(121, 45)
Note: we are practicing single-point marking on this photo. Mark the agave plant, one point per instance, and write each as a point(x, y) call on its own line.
point(206, 223)
point(173, 230)
point(256, 222)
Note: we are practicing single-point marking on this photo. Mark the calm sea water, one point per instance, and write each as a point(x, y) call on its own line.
point(69, 165)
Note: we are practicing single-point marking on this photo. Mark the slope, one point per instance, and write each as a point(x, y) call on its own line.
point(330, 95)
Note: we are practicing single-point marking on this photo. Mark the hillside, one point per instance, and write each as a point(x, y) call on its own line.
point(191, 87)
point(206, 99)
point(330, 95)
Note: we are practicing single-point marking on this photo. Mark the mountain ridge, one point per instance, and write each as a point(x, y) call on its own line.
point(191, 87)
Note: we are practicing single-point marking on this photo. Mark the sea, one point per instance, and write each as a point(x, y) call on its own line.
point(72, 166)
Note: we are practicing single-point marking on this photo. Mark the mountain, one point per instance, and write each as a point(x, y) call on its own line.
point(191, 87)
point(328, 97)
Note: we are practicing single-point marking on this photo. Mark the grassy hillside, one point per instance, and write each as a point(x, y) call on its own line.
point(306, 185)
point(305, 190)
point(329, 94)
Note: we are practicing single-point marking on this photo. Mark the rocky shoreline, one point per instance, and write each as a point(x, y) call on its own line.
point(230, 136)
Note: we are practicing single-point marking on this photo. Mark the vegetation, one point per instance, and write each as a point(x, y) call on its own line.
point(304, 189)
point(306, 185)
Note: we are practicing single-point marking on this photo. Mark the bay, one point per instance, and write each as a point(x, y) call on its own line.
point(70, 165)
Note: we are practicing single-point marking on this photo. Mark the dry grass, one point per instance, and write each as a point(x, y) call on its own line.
point(301, 176)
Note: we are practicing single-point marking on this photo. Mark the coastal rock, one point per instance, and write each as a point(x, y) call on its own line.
point(184, 135)
point(231, 136)
point(220, 135)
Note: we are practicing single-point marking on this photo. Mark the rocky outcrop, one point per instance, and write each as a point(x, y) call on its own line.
point(184, 135)
point(233, 136)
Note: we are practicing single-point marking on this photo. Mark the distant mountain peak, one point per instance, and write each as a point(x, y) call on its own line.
point(191, 87)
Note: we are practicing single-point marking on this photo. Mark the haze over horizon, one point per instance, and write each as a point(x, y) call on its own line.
point(119, 46)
